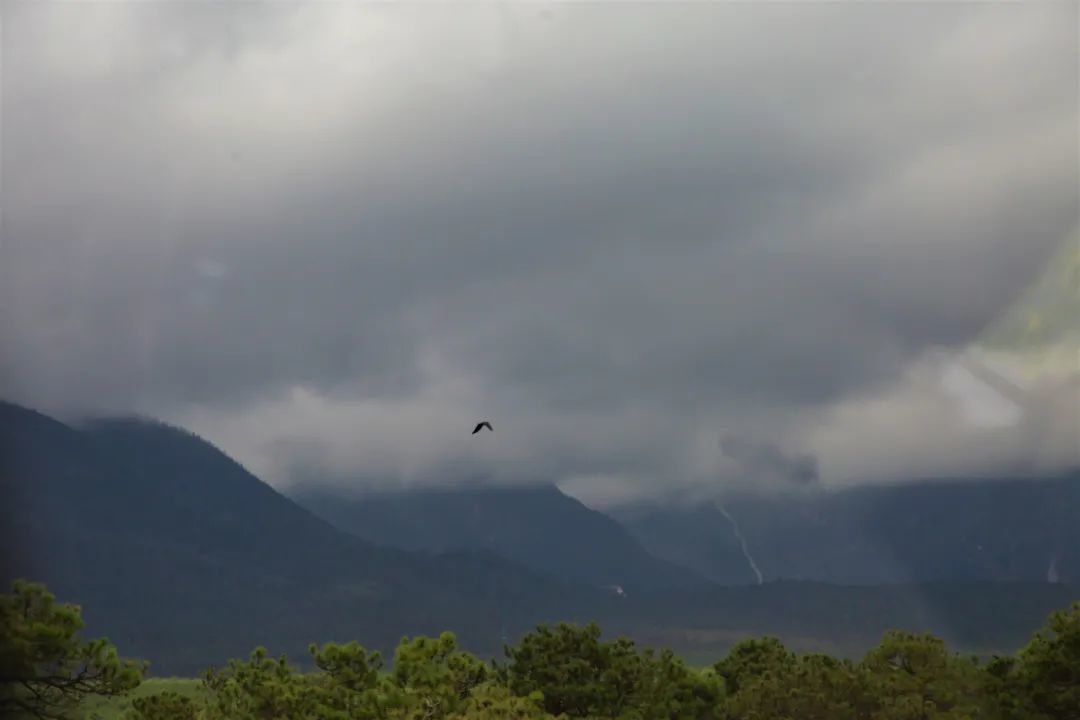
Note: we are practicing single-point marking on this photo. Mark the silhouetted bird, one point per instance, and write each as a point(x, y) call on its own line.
point(481, 426)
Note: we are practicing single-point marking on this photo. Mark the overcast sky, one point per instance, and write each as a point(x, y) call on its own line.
point(331, 237)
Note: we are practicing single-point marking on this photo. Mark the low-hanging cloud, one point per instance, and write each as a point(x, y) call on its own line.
point(765, 462)
point(333, 235)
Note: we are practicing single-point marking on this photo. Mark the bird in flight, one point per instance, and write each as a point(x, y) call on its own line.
point(481, 426)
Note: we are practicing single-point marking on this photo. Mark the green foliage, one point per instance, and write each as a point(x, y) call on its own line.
point(166, 705)
point(351, 683)
point(574, 671)
point(578, 675)
point(812, 687)
point(752, 658)
point(667, 688)
point(431, 679)
point(492, 701)
point(119, 707)
point(1043, 681)
point(554, 673)
point(348, 666)
point(45, 669)
point(259, 689)
point(915, 676)
point(434, 676)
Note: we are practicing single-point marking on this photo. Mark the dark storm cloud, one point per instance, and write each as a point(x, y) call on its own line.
point(627, 229)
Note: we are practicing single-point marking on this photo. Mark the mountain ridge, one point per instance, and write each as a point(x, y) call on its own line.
point(1003, 529)
point(172, 544)
point(534, 525)
point(181, 556)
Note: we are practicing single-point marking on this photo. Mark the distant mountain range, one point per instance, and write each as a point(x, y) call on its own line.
point(987, 530)
point(181, 556)
point(536, 526)
point(1004, 530)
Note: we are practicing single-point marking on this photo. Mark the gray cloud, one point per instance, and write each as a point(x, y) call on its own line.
point(763, 461)
point(620, 232)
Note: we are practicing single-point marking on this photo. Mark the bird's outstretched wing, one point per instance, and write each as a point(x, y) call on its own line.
point(481, 426)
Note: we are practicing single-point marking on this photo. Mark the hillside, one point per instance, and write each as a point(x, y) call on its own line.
point(536, 526)
point(183, 556)
point(1003, 530)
